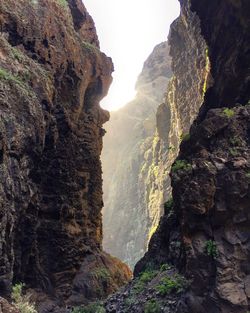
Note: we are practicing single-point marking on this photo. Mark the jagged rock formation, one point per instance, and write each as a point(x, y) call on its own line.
point(132, 196)
point(205, 232)
point(52, 77)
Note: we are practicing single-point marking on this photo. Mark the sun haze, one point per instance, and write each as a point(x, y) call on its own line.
point(128, 31)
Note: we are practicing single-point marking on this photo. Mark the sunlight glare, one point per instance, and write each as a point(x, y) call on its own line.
point(128, 31)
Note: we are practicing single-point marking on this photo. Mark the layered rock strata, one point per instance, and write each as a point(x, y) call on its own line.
point(52, 77)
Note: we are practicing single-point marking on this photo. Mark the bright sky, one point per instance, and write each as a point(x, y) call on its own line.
point(128, 31)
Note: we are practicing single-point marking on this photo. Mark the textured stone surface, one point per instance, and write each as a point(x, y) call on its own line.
point(52, 77)
point(132, 196)
point(5, 307)
point(206, 234)
point(175, 115)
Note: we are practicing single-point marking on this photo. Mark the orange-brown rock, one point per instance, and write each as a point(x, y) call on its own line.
point(52, 77)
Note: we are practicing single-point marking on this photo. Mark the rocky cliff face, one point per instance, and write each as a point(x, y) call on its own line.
point(132, 196)
point(204, 233)
point(52, 77)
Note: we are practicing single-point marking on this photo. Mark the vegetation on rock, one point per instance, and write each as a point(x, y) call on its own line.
point(21, 301)
point(181, 165)
point(211, 248)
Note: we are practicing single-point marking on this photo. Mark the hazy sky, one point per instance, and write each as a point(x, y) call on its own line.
point(128, 30)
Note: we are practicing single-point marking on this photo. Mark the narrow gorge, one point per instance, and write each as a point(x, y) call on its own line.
point(176, 163)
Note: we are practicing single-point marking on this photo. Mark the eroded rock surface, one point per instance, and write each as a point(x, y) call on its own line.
point(52, 77)
point(205, 231)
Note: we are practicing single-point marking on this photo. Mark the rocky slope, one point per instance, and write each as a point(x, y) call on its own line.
point(132, 196)
point(198, 260)
point(52, 77)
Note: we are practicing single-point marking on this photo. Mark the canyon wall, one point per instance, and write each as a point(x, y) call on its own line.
point(137, 188)
point(52, 77)
point(132, 196)
point(198, 259)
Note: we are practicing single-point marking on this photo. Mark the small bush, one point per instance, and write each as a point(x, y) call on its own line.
point(138, 287)
point(17, 54)
point(171, 148)
point(63, 3)
point(233, 151)
point(185, 137)
point(147, 276)
point(22, 302)
point(211, 248)
point(129, 301)
point(168, 206)
point(177, 284)
point(165, 267)
point(5, 75)
point(235, 141)
point(102, 274)
point(144, 278)
point(228, 112)
point(152, 307)
point(181, 165)
point(91, 308)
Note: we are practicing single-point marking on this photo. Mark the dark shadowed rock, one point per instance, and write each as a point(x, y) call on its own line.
point(209, 218)
point(52, 77)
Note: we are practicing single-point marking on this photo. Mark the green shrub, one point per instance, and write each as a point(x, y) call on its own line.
point(228, 112)
point(144, 278)
point(176, 283)
point(5, 75)
point(91, 308)
point(233, 151)
point(102, 274)
point(165, 267)
point(152, 307)
point(211, 248)
point(63, 3)
point(185, 137)
point(20, 301)
point(168, 206)
point(88, 46)
point(138, 287)
point(129, 301)
point(17, 54)
point(181, 165)
point(147, 276)
point(235, 141)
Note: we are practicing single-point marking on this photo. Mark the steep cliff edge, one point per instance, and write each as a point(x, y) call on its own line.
point(198, 260)
point(132, 197)
point(52, 77)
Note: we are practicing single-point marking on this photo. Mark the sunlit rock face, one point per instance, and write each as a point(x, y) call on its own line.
point(205, 233)
point(211, 191)
point(131, 199)
point(140, 184)
point(52, 78)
